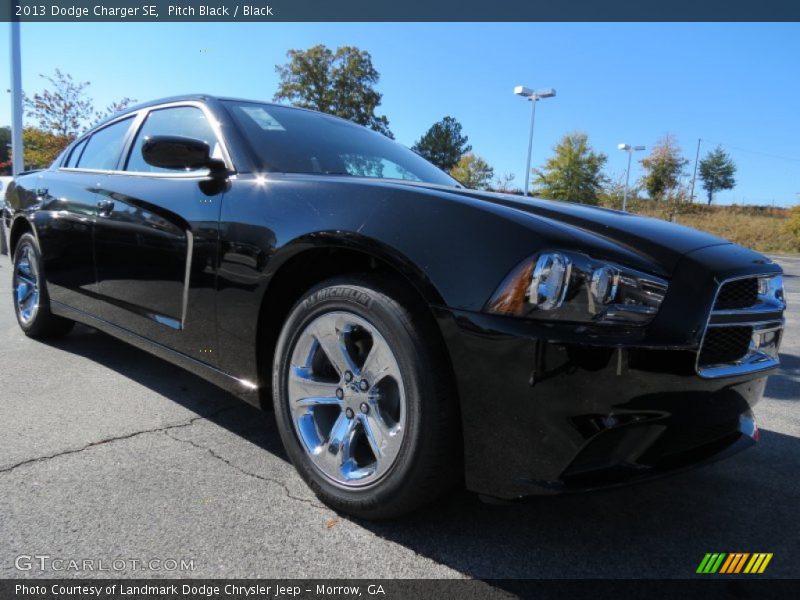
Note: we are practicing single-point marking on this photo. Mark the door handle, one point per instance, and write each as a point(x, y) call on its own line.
point(104, 207)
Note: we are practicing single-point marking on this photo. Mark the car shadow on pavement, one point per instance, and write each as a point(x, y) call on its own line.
point(784, 384)
point(174, 383)
point(663, 528)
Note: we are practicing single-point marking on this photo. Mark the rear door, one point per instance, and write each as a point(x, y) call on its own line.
point(156, 240)
point(68, 206)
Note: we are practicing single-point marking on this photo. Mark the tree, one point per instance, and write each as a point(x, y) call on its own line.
point(504, 184)
point(41, 147)
point(5, 150)
point(717, 171)
point(61, 112)
point(614, 192)
point(115, 107)
point(64, 108)
point(473, 172)
point(663, 168)
point(339, 83)
point(574, 173)
point(443, 144)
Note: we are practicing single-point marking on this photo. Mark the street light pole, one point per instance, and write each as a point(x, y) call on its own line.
point(533, 97)
point(630, 150)
point(694, 177)
point(627, 181)
point(530, 145)
point(18, 164)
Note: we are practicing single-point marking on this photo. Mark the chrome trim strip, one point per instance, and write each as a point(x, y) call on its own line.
point(753, 363)
point(759, 325)
point(755, 310)
point(164, 320)
point(212, 120)
point(187, 275)
point(140, 115)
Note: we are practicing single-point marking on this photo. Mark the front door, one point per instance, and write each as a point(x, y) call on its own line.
point(156, 243)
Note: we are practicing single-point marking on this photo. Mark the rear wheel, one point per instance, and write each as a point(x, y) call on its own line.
point(363, 399)
point(31, 302)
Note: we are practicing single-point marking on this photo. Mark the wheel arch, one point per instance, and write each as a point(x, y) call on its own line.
point(19, 226)
point(309, 260)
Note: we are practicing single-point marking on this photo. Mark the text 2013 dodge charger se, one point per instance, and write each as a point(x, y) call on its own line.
point(408, 332)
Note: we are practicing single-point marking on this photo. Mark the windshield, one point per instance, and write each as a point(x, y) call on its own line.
point(288, 140)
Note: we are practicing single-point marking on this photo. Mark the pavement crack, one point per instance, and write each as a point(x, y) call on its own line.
point(117, 438)
point(221, 458)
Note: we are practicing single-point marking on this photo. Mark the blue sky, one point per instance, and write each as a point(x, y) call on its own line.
point(732, 84)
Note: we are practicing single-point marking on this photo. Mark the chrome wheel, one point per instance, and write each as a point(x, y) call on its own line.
point(346, 399)
point(26, 285)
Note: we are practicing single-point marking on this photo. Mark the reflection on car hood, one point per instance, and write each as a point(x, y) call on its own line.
point(663, 242)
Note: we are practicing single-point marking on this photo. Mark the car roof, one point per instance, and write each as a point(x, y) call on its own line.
point(201, 98)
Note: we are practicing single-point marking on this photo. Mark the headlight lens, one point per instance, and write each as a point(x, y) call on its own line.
point(549, 281)
point(574, 287)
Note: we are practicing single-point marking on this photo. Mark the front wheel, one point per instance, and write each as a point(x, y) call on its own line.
point(363, 399)
point(31, 302)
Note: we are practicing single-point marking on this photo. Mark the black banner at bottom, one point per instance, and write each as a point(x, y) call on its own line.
point(391, 589)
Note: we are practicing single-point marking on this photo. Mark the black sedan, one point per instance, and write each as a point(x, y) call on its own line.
point(409, 333)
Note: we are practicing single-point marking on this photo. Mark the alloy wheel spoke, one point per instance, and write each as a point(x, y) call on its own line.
point(383, 441)
point(26, 278)
point(328, 331)
point(306, 406)
point(379, 362)
point(29, 302)
point(24, 268)
point(336, 451)
point(24, 292)
point(302, 385)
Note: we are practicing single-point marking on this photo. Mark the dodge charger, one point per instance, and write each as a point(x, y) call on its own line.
point(410, 334)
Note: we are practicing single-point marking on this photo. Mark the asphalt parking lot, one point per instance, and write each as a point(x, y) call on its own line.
point(107, 452)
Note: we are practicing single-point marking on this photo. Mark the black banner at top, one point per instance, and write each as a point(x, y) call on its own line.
point(399, 10)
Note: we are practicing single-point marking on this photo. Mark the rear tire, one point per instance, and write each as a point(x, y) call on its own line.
point(373, 429)
point(31, 301)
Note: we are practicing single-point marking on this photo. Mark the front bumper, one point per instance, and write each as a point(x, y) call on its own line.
point(541, 415)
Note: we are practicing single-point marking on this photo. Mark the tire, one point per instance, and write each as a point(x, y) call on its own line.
point(399, 448)
point(31, 301)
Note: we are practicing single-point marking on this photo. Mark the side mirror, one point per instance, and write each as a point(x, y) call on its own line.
point(180, 154)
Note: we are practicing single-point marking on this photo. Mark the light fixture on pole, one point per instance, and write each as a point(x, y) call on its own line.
point(630, 150)
point(533, 97)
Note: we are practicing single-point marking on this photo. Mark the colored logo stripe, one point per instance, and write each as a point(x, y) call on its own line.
point(711, 563)
point(734, 562)
point(758, 563)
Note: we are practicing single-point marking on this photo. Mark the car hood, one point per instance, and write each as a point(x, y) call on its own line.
point(654, 240)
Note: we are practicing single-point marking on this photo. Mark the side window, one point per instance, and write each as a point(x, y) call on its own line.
point(104, 147)
point(72, 161)
point(184, 121)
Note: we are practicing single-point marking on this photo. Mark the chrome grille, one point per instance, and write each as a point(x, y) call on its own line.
point(736, 294)
point(724, 345)
point(744, 327)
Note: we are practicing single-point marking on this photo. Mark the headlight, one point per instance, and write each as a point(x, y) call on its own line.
point(568, 286)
